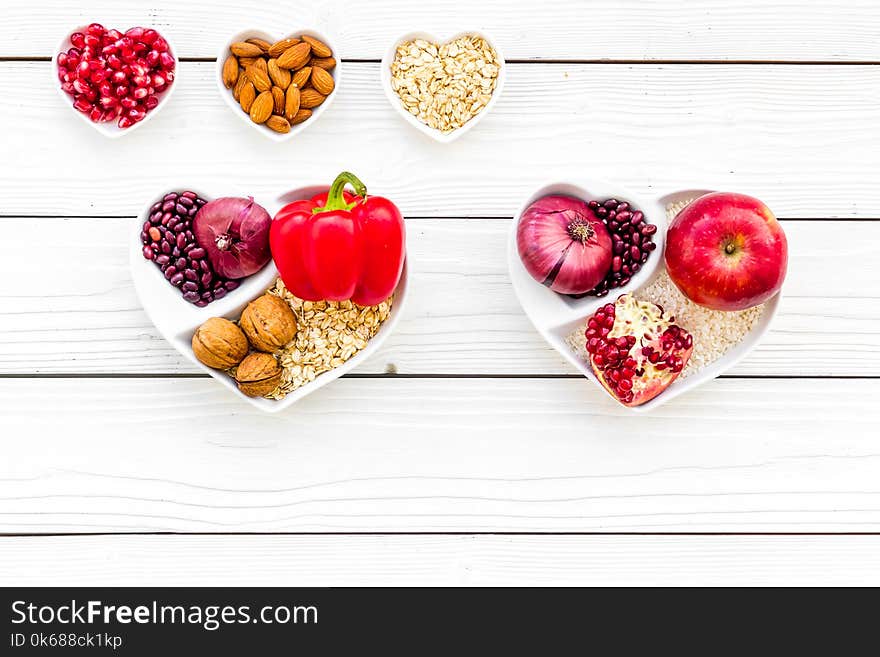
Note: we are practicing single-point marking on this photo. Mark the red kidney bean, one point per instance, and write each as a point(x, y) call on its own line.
point(148, 253)
point(192, 297)
point(176, 280)
point(231, 285)
point(162, 260)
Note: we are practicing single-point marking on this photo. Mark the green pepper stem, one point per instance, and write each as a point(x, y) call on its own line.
point(335, 199)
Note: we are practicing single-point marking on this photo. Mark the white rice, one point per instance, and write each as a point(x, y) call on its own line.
point(715, 332)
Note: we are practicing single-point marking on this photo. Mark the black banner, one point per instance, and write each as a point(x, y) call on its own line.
point(400, 621)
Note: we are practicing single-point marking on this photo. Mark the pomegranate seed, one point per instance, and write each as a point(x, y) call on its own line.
point(77, 39)
point(128, 103)
point(82, 105)
point(83, 70)
point(160, 44)
point(95, 29)
point(125, 122)
point(151, 102)
point(149, 36)
point(167, 61)
point(92, 41)
point(113, 35)
point(159, 81)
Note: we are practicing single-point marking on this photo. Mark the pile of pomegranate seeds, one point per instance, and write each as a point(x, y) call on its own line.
point(632, 242)
point(116, 77)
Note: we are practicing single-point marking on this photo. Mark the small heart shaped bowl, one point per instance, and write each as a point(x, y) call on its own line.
point(226, 94)
point(109, 128)
point(556, 317)
point(394, 99)
point(177, 320)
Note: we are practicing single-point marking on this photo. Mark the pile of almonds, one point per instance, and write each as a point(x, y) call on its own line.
point(278, 84)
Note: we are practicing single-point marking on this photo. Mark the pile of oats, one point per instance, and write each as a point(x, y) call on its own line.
point(446, 86)
point(328, 333)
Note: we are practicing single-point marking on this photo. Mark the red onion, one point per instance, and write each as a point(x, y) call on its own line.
point(235, 234)
point(563, 245)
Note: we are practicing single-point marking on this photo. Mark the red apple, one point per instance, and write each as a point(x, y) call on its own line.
point(726, 252)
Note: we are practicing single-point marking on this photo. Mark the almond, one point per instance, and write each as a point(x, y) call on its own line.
point(230, 72)
point(261, 64)
point(245, 49)
point(236, 90)
point(263, 44)
point(322, 81)
point(327, 63)
point(301, 116)
point(280, 46)
point(278, 98)
point(301, 77)
point(278, 123)
point(259, 78)
point(280, 76)
point(309, 98)
point(295, 57)
point(262, 108)
point(247, 62)
point(320, 48)
point(247, 95)
point(291, 102)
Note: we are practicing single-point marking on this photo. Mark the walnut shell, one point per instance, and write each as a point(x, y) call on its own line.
point(219, 344)
point(258, 374)
point(268, 322)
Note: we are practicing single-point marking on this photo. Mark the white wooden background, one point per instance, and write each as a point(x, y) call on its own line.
point(466, 451)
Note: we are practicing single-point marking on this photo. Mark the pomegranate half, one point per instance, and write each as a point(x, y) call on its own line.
point(635, 351)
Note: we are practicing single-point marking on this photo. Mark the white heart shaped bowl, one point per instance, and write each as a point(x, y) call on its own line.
point(556, 316)
point(394, 99)
point(110, 129)
point(177, 319)
point(226, 94)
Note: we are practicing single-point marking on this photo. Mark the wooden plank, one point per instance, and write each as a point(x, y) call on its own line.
point(393, 454)
point(562, 29)
point(803, 138)
point(440, 561)
point(81, 315)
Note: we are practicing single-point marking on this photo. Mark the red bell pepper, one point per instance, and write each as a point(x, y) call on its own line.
point(337, 246)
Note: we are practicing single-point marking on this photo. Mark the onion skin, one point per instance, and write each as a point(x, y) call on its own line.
point(235, 234)
point(563, 245)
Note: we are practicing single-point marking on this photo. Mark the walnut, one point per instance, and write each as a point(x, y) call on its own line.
point(219, 344)
point(269, 323)
point(258, 374)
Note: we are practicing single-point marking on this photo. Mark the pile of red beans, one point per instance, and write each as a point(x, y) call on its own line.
point(168, 241)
